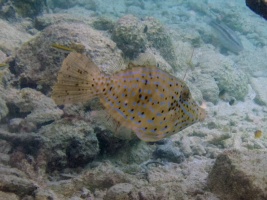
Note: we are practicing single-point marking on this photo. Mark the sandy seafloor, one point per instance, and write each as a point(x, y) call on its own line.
point(70, 153)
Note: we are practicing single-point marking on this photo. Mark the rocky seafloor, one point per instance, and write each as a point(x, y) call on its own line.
point(71, 152)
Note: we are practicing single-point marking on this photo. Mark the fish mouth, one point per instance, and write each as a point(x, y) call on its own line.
point(202, 114)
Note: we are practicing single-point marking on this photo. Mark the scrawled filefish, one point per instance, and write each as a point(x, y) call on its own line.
point(227, 37)
point(145, 99)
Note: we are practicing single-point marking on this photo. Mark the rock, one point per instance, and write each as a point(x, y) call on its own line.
point(228, 78)
point(3, 57)
point(195, 92)
point(121, 191)
point(88, 4)
point(208, 87)
point(11, 37)
point(160, 39)
point(169, 152)
point(140, 4)
point(39, 55)
point(29, 8)
point(103, 23)
point(152, 57)
point(7, 11)
point(4, 158)
point(135, 152)
point(129, 35)
point(29, 142)
point(33, 105)
point(8, 196)
point(232, 81)
point(47, 19)
point(100, 178)
point(198, 148)
point(14, 181)
point(3, 109)
point(136, 11)
point(240, 175)
point(109, 144)
point(85, 193)
point(192, 146)
point(44, 194)
point(69, 145)
point(14, 124)
point(21, 125)
point(222, 140)
point(258, 84)
point(186, 146)
point(80, 152)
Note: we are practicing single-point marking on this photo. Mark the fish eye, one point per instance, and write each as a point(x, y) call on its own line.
point(185, 94)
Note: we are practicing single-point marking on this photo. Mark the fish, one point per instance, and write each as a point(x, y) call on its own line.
point(143, 98)
point(227, 37)
point(258, 134)
point(3, 65)
point(259, 7)
point(145, 29)
point(62, 48)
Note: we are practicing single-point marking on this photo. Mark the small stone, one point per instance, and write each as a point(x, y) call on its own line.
point(169, 152)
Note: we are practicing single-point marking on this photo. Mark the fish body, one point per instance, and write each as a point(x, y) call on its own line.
point(145, 99)
point(258, 134)
point(62, 48)
point(227, 37)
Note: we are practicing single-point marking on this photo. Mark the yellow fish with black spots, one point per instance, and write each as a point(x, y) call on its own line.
point(145, 99)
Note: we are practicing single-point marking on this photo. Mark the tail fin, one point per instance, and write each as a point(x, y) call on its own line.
point(77, 80)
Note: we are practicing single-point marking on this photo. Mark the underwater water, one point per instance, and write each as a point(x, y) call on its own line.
point(132, 99)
